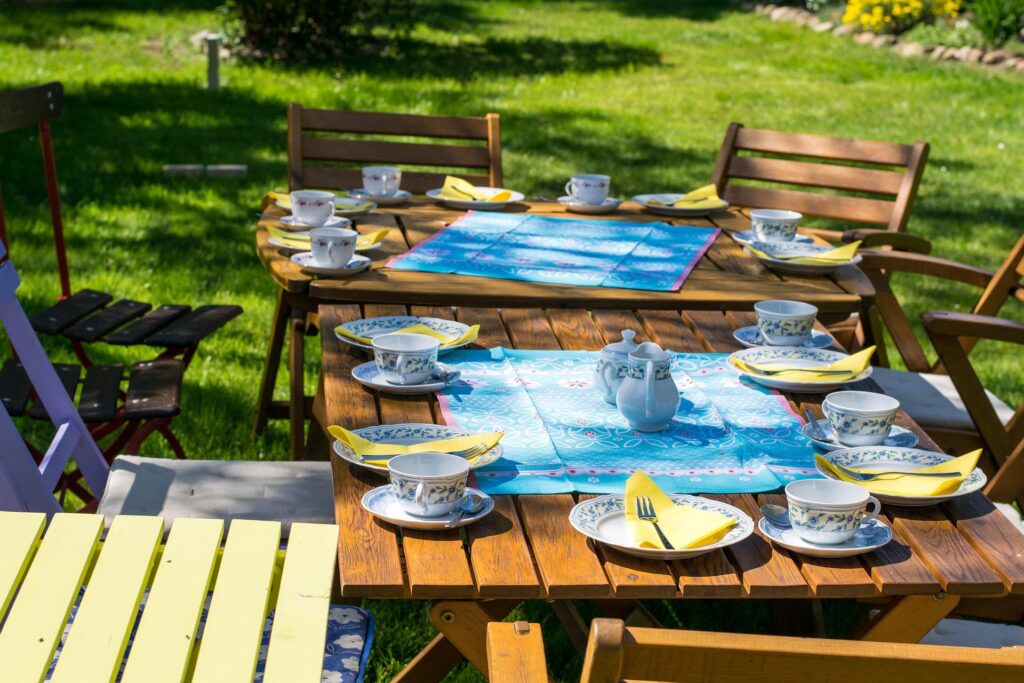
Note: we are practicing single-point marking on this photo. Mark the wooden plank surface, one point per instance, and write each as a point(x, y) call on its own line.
point(234, 624)
point(295, 653)
point(568, 566)
point(19, 532)
point(36, 619)
point(163, 644)
point(96, 644)
point(993, 536)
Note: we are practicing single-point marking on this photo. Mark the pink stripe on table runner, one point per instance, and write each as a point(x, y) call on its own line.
point(677, 285)
point(396, 259)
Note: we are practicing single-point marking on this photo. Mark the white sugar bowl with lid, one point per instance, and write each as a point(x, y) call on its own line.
point(613, 365)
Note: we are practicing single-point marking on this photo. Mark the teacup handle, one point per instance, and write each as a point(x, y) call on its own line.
point(331, 202)
point(875, 506)
point(569, 187)
point(421, 495)
point(400, 363)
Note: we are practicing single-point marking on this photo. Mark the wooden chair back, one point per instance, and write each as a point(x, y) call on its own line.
point(27, 486)
point(889, 171)
point(333, 161)
point(616, 652)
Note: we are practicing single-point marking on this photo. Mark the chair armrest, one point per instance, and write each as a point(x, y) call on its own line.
point(923, 264)
point(901, 241)
point(515, 653)
point(972, 326)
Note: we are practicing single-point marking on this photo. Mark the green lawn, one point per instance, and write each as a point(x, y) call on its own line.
point(640, 90)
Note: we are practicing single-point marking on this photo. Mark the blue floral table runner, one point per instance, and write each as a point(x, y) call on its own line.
point(565, 251)
point(729, 435)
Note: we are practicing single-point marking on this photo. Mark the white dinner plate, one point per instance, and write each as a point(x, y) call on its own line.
point(794, 249)
point(871, 535)
point(797, 357)
point(369, 375)
point(668, 198)
point(748, 237)
point(603, 519)
point(374, 327)
point(409, 435)
point(748, 336)
point(304, 260)
point(382, 503)
point(470, 204)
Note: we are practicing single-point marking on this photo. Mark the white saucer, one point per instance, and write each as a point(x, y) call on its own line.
point(748, 335)
point(607, 206)
point(368, 375)
point(470, 204)
point(382, 504)
point(871, 535)
point(400, 197)
point(748, 237)
point(668, 198)
point(898, 437)
point(332, 222)
point(304, 260)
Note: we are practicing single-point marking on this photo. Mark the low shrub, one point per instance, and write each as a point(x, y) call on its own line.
point(998, 20)
point(897, 16)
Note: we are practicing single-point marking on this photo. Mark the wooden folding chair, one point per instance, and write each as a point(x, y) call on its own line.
point(152, 397)
point(946, 397)
point(615, 652)
point(339, 138)
point(888, 171)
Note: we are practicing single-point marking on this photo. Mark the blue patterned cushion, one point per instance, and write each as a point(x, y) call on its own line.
point(346, 648)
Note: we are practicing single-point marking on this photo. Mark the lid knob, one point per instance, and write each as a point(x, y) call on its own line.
point(627, 336)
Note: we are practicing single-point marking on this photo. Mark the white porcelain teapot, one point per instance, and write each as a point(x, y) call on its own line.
point(613, 364)
point(648, 397)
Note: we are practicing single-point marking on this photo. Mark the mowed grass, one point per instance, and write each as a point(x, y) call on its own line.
point(640, 90)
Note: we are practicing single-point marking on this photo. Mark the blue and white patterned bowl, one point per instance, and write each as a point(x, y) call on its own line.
point(899, 437)
point(603, 519)
point(407, 435)
point(374, 327)
point(906, 460)
point(795, 356)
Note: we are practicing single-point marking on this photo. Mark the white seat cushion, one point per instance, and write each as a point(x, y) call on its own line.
point(219, 489)
point(933, 399)
point(1012, 515)
point(969, 633)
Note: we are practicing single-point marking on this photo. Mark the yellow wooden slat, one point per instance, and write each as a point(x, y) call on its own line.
point(162, 648)
point(234, 626)
point(300, 617)
point(19, 532)
point(96, 643)
point(37, 618)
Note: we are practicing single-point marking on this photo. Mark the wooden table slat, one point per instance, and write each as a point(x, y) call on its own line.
point(528, 330)
point(492, 329)
point(997, 539)
point(499, 554)
point(667, 329)
point(711, 575)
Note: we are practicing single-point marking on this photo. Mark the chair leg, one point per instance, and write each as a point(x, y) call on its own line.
point(296, 366)
point(172, 439)
point(278, 325)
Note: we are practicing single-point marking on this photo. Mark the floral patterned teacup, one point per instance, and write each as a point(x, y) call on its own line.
point(589, 188)
point(404, 358)
point(860, 418)
point(332, 247)
point(774, 225)
point(382, 181)
point(828, 512)
point(312, 207)
point(785, 323)
point(428, 484)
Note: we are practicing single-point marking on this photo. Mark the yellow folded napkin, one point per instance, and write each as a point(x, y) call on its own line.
point(702, 198)
point(457, 188)
point(283, 199)
point(685, 526)
point(366, 449)
point(352, 207)
point(362, 242)
point(371, 238)
point(853, 365)
point(841, 254)
point(910, 485)
point(418, 328)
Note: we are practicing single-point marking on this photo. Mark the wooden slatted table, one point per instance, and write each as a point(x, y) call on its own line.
point(526, 548)
point(45, 571)
point(726, 278)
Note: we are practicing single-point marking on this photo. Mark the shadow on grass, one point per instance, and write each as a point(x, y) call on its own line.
point(696, 10)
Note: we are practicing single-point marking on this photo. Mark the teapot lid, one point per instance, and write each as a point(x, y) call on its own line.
point(626, 346)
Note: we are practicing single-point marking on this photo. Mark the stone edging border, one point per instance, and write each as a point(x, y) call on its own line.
point(998, 59)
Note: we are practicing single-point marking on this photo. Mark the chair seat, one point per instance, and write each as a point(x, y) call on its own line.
point(970, 633)
point(220, 489)
point(1011, 514)
point(932, 400)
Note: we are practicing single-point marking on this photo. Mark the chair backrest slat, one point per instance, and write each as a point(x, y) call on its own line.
point(29, 106)
point(669, 655)
point(345, 154)
point(889, 170)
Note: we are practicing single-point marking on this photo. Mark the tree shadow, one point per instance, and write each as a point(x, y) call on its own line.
point(695, 10)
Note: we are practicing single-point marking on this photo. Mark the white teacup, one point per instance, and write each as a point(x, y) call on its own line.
point(785, 323)
point(382, 181)
point(333, 247)
point(312, 207)
point(428, 484)
point(404, 358)
point(774, 225)
point(828, 512)
point(860, 418)
point(589, 188)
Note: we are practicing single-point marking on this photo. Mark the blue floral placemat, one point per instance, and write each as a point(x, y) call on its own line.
point(565, 251)
point(729, 435)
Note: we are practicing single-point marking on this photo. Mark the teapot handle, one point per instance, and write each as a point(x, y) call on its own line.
point(649, 382)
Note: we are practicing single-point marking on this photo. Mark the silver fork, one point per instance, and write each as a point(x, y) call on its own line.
point(471, 452)
point(863, 476)
point(816, 371)
point(645, 511)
